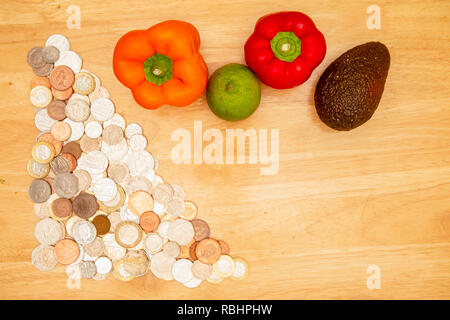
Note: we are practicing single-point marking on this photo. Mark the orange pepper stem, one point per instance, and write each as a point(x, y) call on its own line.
point(158, 69)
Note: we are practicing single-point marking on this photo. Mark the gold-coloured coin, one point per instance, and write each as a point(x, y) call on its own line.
point(128, 234)
point(84, 83)
point(37, 170)
point(117, 207)
point(120, 273)
point(43, 152)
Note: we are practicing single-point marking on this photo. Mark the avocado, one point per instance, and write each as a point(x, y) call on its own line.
point(350, 89)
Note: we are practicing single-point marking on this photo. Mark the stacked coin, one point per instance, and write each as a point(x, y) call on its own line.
point(103, 208)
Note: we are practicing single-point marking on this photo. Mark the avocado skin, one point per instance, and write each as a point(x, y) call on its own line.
point(350, 89)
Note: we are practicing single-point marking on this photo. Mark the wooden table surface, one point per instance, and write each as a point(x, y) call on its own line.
point(340, 202)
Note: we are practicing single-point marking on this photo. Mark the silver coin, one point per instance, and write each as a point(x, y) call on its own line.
point(161, 266)
point(43, 257)
point(178, 191)
point(163, 193)
point(50, 54)
point(181, 231)
point(44, 70)
point(39, 191)
point(66, 185)
point(84, 232)
point(88, 269)
point(48, 231)
point(138, 183)
point(175, 207)
point(60, 165)
point(59, 41)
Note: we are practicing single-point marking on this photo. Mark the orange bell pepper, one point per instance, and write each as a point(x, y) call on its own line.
point(162, 65)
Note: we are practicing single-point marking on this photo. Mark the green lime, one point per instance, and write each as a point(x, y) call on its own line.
point(233, 92)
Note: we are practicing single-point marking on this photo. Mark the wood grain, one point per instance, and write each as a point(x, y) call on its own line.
point(341, 201)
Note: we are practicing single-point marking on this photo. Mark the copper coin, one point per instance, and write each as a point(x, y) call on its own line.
point(85, 205)
point(72, 160)
point(224, 247)
point(140, 202)
point(192, 249)
point(67, 251)
point(208, 251)
point(62, 208)
point(47, 137)
point(102, 224)
point(73, 148)
point(201, 229)
point(44, 70)
point(60, 165)
point(39, 191)
point(184, 250)
point(49, 180)
point(149, 221)
point(50, 54)
point(61, 77)
point(61, 130)
point(62, 94)
point(40, 81)
point(57, 110)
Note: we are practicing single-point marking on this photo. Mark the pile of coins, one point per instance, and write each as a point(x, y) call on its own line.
point(103, 209)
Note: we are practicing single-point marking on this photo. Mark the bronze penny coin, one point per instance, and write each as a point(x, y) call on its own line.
point(49, 180)
point(39, 191)
point(224, 247)
point(47, 137)
point(40, 81)
point(73, 148)
point(60, 165)
point(102, 224)
point(192, 249)
point(84, 205)
point(208, 251)
point(201, 229)
point(57, 110)
point(62, 94)
point(72, 160)
point(62, 208)
point(50, 54)
point(184, 250)
point(149, 221)
point(61, 77)
point(66, 251)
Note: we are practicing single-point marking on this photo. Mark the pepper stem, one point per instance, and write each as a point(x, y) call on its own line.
point(286, 46)
point(158, 69)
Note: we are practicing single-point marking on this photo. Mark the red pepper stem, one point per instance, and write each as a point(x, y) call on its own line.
point(286, 46)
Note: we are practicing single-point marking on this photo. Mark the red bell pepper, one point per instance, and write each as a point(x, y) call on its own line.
point(284, 49)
